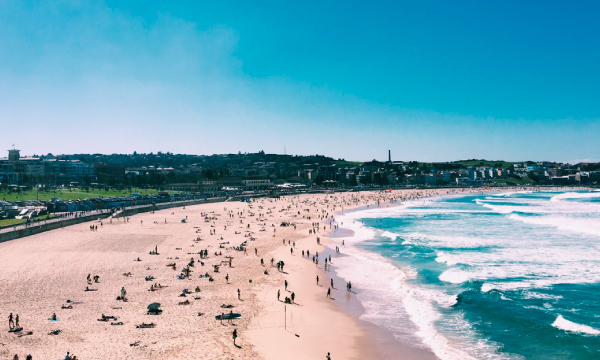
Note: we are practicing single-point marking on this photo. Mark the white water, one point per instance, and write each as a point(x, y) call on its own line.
point(564, 324)
point(549, 251)
point(410, 312)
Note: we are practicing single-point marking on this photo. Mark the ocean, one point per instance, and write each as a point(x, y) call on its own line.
point(512, 275)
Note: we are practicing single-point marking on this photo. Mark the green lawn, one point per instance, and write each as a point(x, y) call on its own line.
point(13, 222)
point(492, 163)
point(348, 163)
point(73, 194)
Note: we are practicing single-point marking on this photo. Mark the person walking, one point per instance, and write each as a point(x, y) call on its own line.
point(328, 293)
point(286, 284)
point(278, 294)
point(11, 322)
point(227, 278)
point(234, 336)
point(332, 283)
point(293, 296)
point(328, 357)
point(317, 279)
point(17, 321)
point(239, 295)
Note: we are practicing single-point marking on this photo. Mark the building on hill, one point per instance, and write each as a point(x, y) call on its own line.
point(17, 169)
point(256, 183)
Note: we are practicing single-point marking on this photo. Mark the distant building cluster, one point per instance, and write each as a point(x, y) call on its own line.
point(16, 169)
point(260, 171)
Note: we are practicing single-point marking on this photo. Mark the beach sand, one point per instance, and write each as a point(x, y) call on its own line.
point(42, 272)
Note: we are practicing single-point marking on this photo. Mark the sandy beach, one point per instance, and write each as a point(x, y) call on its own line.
point(44, 272)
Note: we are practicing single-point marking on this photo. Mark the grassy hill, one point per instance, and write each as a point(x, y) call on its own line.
point(73, 194)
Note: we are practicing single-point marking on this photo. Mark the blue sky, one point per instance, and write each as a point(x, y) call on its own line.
point(432, 81)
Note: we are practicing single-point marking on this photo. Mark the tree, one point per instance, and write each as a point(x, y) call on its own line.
point(209, 174)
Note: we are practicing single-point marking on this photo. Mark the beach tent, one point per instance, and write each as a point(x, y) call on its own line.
point(154, 308)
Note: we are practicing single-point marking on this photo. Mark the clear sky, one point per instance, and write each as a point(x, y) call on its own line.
point(430, 80)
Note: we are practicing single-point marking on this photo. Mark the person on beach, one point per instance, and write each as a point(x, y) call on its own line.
point(17, 321)
point(123, 293)
point(317, 279)
point(328, 357)
point(278, 294)
point(234, 336)
point(328, 293)
point(11, 322)
point(285, 283)
point(332, 283)
point(227, 278)
point(293, 296)
point(239, 295)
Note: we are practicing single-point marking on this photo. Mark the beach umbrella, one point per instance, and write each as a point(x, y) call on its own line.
point(154, 306)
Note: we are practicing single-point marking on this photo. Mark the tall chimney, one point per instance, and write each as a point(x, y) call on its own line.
point(390, 156)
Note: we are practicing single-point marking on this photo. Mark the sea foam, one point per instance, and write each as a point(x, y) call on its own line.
point(566, 325)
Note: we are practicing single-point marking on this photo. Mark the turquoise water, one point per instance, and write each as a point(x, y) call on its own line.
point(487, 276)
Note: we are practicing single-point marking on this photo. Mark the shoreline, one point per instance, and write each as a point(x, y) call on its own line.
point(383, 338)
point(45, 270)
point(380, 341)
